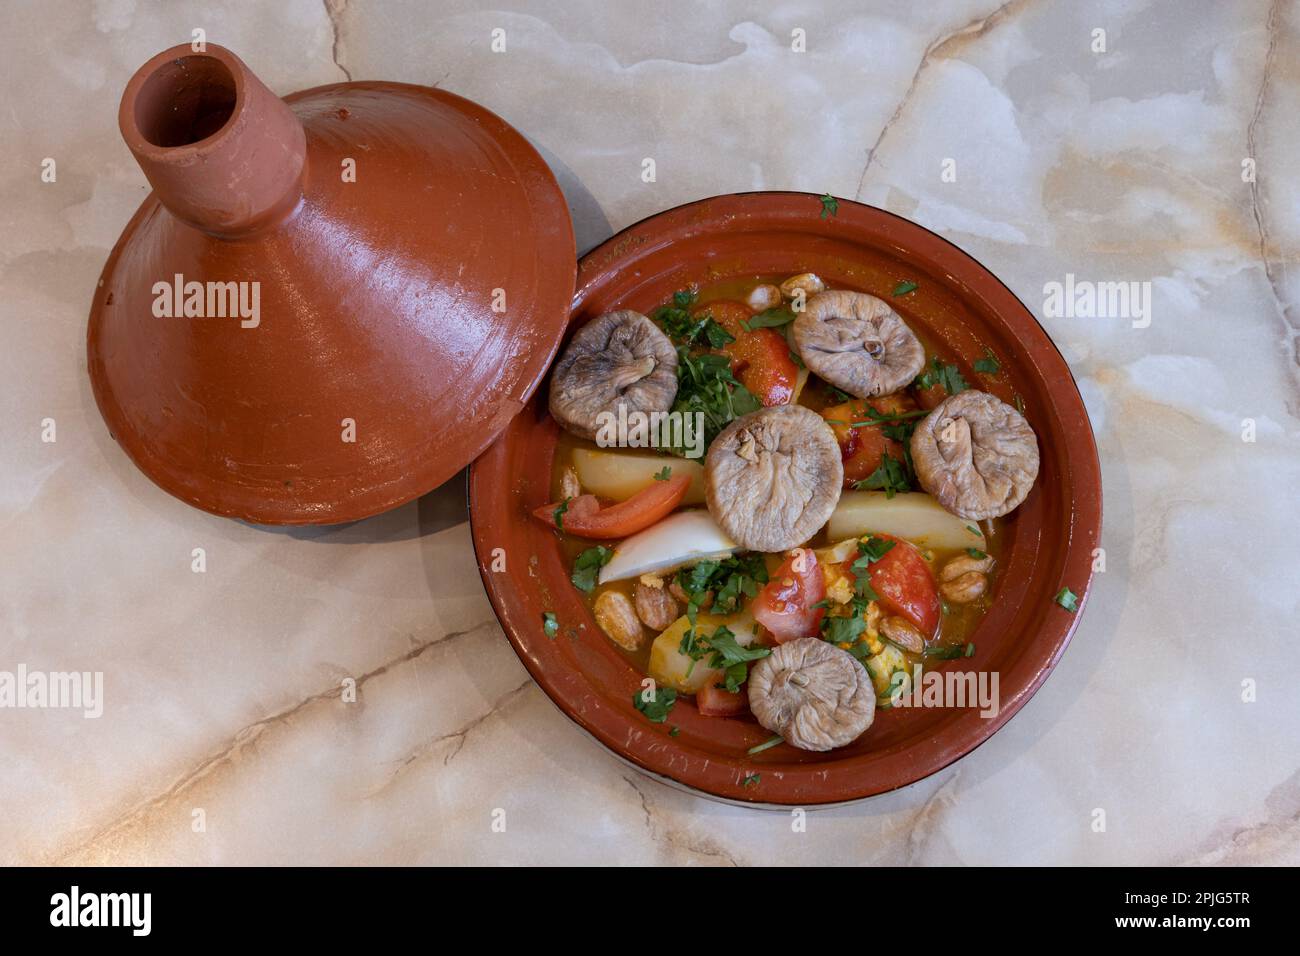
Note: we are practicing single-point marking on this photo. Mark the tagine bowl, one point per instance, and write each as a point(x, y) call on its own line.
point(1048, 542)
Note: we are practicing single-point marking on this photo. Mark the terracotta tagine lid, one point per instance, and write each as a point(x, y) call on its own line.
point(330, 303)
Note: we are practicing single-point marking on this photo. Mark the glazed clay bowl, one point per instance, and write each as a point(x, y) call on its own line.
point(961, 308)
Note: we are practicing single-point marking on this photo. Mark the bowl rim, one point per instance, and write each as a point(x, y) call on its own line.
point(1084, 526)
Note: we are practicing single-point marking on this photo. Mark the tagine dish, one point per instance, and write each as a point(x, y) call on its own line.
point(806, 510)
point(780, 502)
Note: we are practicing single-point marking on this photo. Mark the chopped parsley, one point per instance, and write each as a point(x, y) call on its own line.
point(847, 629)
point(767, 744)
point(772, 318)
point(830, 205)
point(686, 329)
point(891, 477)
point(752, 779)
point(559, 511)
point(904, 287)
point(550, 623)
point(989, 364)
point(940, 374)
point(676, 731)
point(728, 656)
point(976, 553)
point(665, 474)
point(950, 652)
point(1068, 600)
point(705, 385)
point(656, 709)
point(586, 567)
point(730, 580)
point(975, 531)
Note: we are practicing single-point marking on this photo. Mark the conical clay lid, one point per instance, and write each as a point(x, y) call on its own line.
point(330, 303)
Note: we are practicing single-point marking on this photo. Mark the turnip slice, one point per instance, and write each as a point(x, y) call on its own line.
point(912, 516)
point(621, 474)
point(681, 538)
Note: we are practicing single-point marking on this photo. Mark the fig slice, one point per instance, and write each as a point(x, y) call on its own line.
point(976, 455)
point(815, 695)
point(619, 359)
point(857, 343)
point(773, 477)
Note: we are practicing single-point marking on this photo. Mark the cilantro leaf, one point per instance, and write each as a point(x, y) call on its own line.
point(830, 205)
point(949, 376)
point(550, 624)
point(559, 511)
point(586, 567)
point(904, 287)
point(656, 709)
point(772, 318)
point(1068, 600)
point(890, 477)
point(665, 474)
point(989, 365)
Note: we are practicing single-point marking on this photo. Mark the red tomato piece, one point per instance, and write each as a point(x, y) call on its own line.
point(587, 518)
point(906, 586)
point(760, 358)
point(714, 701)
point(863, 448)
point(785, 606)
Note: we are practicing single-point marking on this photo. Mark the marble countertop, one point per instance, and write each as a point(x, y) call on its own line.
point(1125, 155)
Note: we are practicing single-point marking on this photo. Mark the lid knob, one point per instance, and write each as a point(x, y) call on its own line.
point(223, 153)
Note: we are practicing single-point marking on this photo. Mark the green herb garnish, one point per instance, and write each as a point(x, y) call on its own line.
point(976, 553)
point(586, 567)
point(705, 385)
point(752, 779)
point(665, 474)
point(728, 655)
point(940, 374)
point(656, 709)
point(676, 731)
point(904, 287)
point(891, 477)
point(830, 205)
point(558, 513)
point(772, 318)
point(766, 745)
point(989, 365)
point(1068, 600)
point(550, 624)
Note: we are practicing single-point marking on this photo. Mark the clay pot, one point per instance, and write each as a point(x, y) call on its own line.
point(382, 274)
point(961, 308)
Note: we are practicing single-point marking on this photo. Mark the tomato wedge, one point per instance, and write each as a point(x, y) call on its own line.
point(587, 518)
point(760, 358)
point(785, 606)
point(906, 586)
point(714, 701)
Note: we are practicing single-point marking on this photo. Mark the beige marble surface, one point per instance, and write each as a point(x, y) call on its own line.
point(222, 688)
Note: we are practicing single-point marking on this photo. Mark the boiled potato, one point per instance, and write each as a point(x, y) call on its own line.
point(621, 474)
point(882, 666)
point(671, 668)
point(912, 516)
